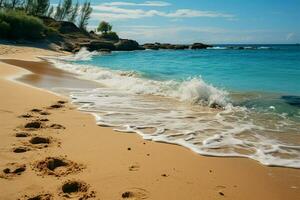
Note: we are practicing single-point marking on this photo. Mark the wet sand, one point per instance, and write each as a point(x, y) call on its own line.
point(65, 155)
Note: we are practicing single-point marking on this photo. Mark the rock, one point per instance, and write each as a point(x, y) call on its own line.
point(200, 46)
point(157, 46)
point(180, 47)
point(68, 27)
point(97, 45)
point(68, 46)
point(166, 46)
point(105, 50)
point(127, 45)
point(151, 46)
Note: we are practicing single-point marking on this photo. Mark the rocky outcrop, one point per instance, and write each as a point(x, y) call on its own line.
point(127, 45)
point(71, 38)
point(200, 46)
point(151, 46)
point(157, 46)
point(98, 45)
point(69, 27)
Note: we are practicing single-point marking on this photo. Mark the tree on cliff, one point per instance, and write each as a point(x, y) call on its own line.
point(50, 11)
point(66, 9)
point(85, 13)
point(37, 7)
point(104, 27)
point(41, 7)
point(74, 12)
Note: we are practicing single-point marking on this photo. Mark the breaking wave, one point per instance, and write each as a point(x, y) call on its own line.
point(82, 54)
point(190, 113)
point(193, 90)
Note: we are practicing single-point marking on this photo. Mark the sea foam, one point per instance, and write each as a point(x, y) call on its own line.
point(193, 90)
point(179, 113)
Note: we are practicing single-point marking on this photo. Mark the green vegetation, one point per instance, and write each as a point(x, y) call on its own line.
point(33, 19)
point(74, 13)
point(85, 13)
point(18, 25)
point(105, 28)
point(110, 36)
point(66, 11)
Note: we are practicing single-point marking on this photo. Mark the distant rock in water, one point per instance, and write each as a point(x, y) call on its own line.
point(200, 46)
point(157, 46)
point(292, 100)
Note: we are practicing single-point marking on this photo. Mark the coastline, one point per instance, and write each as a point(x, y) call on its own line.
point(149, 170)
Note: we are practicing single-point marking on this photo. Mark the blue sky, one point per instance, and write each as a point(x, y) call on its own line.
point(210, 21)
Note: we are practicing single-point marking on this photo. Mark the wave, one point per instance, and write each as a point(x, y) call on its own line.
point(193, 90)
point(240, 48)
point(168, 111)
point(83, 54)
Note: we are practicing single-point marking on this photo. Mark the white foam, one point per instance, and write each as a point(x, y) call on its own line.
point(217, 48)
point(194, 90)
point(169, 111)
point(82, 54)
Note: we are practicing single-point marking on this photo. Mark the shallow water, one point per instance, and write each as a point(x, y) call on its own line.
point(222, 102)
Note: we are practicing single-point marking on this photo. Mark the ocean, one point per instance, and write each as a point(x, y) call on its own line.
point(229, 100)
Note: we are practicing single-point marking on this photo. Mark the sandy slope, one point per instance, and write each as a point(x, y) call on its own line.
point(107, 164)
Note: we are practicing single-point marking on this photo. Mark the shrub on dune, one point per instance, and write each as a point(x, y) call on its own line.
point(4, 29)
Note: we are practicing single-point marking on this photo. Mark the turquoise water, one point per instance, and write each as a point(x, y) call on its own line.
point(274, 69)
point(225, 101)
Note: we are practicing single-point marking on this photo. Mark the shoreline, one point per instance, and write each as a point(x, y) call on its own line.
point(149, 169)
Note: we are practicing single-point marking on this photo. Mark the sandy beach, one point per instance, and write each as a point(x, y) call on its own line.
point(50, 150)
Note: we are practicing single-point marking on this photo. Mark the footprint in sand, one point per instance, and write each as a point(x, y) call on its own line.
point(76, 189)
point(34, 125)
point(40, 140)
point(44, 113)
point(21, 149)
point(43, 196)
point(62, 102)
point(36, 110)
point(135, 194)
point(25, 116)
point(57, 126)
point(22, 134)
point(56, 166)
point(12, 170)
point(59, 104)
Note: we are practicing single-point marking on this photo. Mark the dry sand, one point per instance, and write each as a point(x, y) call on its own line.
point(75, 158)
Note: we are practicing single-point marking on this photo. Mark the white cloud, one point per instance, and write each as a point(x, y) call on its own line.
point(171, 34)
point(146, 3)
point(114, 13)
point(190, 34)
